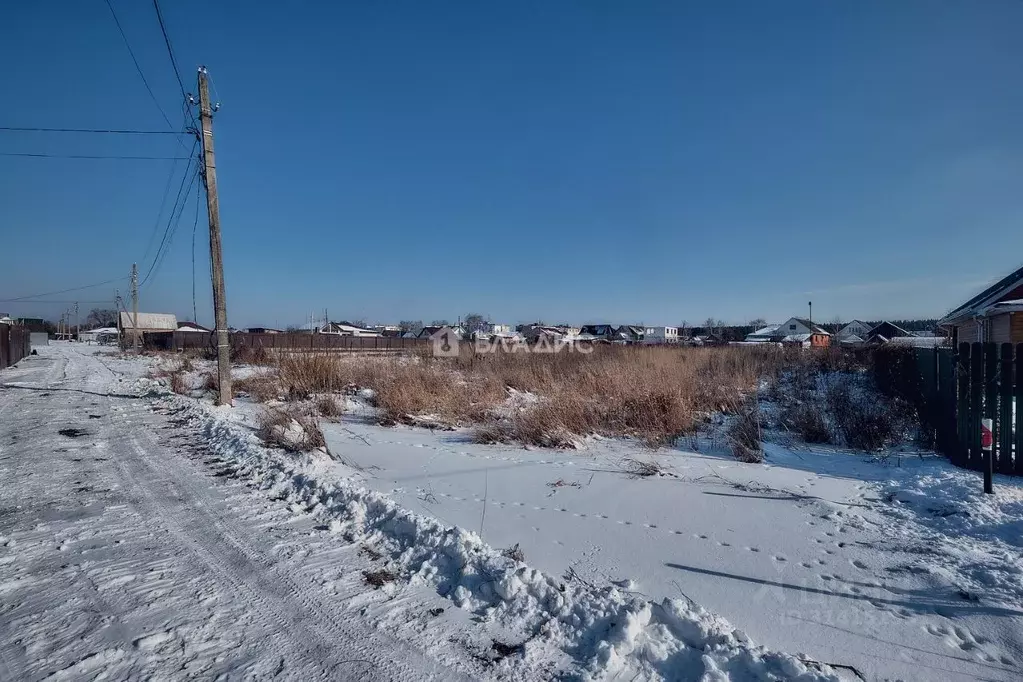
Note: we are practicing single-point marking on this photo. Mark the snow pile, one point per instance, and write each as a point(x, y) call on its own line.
point(976, 539)
point(606, 631)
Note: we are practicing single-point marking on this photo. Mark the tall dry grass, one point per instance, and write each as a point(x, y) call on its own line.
point(653, 393)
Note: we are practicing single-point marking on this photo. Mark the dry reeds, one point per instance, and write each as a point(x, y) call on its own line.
point(260, 387)
point(291, 428)
point(654, 394)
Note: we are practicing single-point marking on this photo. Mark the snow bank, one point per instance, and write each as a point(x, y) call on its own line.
point(606, 631)
point(976, 538)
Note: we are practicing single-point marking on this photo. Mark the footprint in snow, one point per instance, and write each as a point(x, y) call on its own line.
point(779, 558)
point(859, 564)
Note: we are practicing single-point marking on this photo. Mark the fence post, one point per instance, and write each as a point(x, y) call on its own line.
point(1019, 410)
point(976, 403)
point(962, 368)
point(1005, 411)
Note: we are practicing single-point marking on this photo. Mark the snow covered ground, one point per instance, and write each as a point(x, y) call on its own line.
point(164, 539)
point(898, 569)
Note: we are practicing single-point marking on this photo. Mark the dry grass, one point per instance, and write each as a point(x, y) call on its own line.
point(655, 394)
point(291, 428)
point(744, 436)
point(809, 421)
point(329, 407)
point(210, 381)
point(379, 578)
point(177, 382)
point(260, 387)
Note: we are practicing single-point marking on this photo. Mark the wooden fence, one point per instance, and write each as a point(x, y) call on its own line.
point(15, 344)
point(298, 342)
point(957, 388)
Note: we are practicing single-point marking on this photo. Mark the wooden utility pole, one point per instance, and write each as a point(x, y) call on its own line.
point(78, 327)
point(117, 313)
point(216, 254)
point(135, 307)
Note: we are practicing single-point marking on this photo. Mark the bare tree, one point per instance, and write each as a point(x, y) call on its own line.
point(410, 326)
point(99, 317)
point(758, 322)
point(473, 322)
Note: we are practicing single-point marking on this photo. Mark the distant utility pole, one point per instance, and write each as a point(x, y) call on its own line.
point(117, 313)
point(216, 254)
point(135, 308)
point(78, 328)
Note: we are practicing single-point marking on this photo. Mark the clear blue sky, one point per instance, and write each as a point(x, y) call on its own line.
point(580, 161)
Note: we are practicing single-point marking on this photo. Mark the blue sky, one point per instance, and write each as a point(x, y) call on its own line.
point(581, 161)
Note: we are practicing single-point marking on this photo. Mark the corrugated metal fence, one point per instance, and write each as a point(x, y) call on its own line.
point(298, 342)
point(15, 344)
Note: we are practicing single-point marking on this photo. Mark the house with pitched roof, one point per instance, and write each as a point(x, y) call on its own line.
point(994, 315)
point(799, 331)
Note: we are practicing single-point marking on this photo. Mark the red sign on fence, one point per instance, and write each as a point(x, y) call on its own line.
point(986, 439)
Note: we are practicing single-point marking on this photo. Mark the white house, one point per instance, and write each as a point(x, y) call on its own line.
point(802, 332)
point(660, 335)
point(497, 329)
point(855, 328)
point(342, 329)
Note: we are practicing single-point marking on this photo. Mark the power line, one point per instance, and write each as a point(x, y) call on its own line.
point(170, 51)
point(163, 200)
point(137, 67)
point(92, 130)
point(198, 194)
point(63, 291)
point(167, 229)
point(94, 156)
point(159, 213)
point(168, 235)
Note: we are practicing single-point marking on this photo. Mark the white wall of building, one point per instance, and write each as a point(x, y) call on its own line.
point(659, 335)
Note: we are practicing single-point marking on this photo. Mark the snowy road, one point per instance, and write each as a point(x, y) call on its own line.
point(121, 553)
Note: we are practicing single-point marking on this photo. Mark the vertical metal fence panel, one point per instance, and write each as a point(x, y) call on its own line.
point(947, 441)
point(991, 393)
point(1017, 408)
point(1005, 411)
point(963, 405)
point(5, 346)
point(976, 403)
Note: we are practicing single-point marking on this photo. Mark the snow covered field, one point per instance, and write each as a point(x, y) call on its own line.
point(165, 540)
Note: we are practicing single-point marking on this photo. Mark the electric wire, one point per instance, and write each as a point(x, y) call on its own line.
point(91, 130)
point(94, 156)
point(137, 67)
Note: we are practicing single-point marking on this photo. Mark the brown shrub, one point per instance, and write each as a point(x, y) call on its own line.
point(809, 421)
point(260, 387)
point(290, 428)
point(329, 407)
point(210, 381)
point(744, 435)
point(177, 382)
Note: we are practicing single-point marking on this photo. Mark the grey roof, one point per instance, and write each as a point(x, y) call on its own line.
point(989, 295)
point(815, 328)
